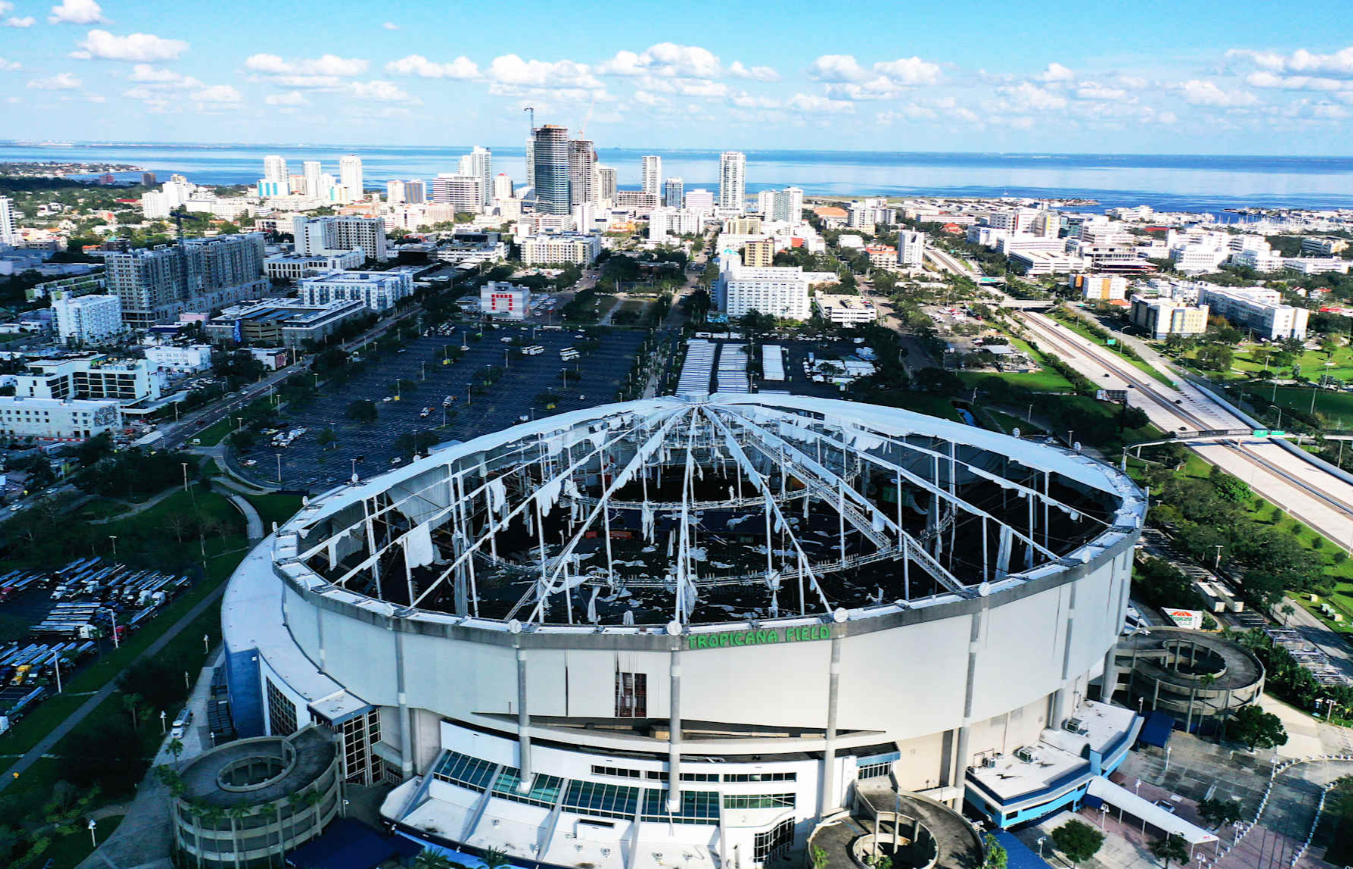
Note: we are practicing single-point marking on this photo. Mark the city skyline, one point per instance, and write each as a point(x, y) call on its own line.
point(939, 81)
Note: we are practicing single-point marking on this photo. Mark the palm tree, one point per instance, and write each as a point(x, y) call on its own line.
point(314, 799)
point(429, 859)
point(236, 814)
point(495, 859)
point(175, 748)
point(133, 703)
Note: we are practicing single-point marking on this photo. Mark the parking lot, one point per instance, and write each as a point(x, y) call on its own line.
point(592, 380)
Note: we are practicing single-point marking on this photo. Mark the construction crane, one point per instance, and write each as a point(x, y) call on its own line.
point(180, 214)
point(532, 111)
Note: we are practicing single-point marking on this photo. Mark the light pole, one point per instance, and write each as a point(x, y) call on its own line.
point(93, 841)
point(113, 537)
point(185, 475)
point(113, 615)
point(1217, 565)
point(1041, 840)
point(206, 644)
point(1167, 758)
point(56, 662)
point(279, 467)
point(162, 724)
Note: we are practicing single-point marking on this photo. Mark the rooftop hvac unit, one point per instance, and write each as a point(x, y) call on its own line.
point(1025, 754)
point(1075, 725)
point(988, 762)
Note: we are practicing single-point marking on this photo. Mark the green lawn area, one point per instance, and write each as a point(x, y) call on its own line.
point(919, 402)
point(1043, 380)
point(215, 433)
point(1312, 363)
point(1078, 325)
point(274, 508)
point(1005, 423)
point(67, 852)
point(1336, 406)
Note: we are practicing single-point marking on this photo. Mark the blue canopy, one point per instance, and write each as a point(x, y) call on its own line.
point(1021, 855)
point(349, 844)
point(1156, 731)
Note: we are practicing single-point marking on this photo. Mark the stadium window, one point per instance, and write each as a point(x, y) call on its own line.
point(873, 770)
point(776, 840)
point(631, 695)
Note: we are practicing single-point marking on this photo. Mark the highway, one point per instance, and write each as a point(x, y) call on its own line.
point(1309, 494)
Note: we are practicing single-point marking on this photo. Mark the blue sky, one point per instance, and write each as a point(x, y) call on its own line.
point(1144, 77)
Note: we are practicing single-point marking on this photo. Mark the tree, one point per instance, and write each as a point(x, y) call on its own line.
point(1219, 813)
point(1077, 840)
point(494, 858)
point(1215, 357)
point(429, 859)
point(1287, 610)
point(362, 411)
point(820, 858)
point(1257, 728)
point(175, 747)
point(1172, 847)
point(326, 438)
point(997, 858)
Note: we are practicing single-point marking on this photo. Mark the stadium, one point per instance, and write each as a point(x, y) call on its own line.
point(684, 632)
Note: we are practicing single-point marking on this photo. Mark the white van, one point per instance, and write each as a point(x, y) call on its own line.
point(181, 724)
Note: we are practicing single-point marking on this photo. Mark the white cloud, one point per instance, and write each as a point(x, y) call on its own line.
point(26, 21)
point(1028, 97)
point(146, 72)
point(91, 97)
point(221, 93)
point(1332, 112)
point(381, 91)
point(416, 64)
point(77, 12)
point(1167, 118)
point(881, 77)
point(1088, 90)
point(63, 81)
point(1339, 64)
point(1055, 73)
point(910, 71)
point(755, 73)
point(645, 98)
point(665, 59)
point(744, 100)
point(9, 65)
point(1132, 83)
point(390, 25)
point(1199, 92)
point(837, 68)
point(328, 65)
point(512, 70)
point(136, 47)
point(685, 87)
point(291, 98)
point(1266, 79)
point(309, 82)
point(813, 104)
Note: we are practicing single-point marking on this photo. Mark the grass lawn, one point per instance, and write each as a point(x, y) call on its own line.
point(1078, 325)
point(67, 852)
point(274, 508)
point(215, 433)
point(1312, 362)
point(100, 508)
point(919, 402)
point(1005, 423)
point(1336, 406)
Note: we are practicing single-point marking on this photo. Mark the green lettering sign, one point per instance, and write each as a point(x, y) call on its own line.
point(763, 637)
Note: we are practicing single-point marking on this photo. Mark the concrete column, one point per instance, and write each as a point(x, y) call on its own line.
point(1060, 700)
point(523, 723)
point(961, 748)
point(674, 736)
point(827, 801)
point(1110, 675)
point(405, 726)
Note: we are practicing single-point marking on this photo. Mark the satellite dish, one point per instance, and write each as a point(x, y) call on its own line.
point(1015, 431)
point(514, 627)
point(1077, 446)
point(674, 628)
point(840, 615)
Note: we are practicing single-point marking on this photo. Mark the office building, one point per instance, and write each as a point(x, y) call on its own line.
point(911, 249)
point(9, 230)
point(582, 161)
point(672, 192)
point(550, 157)
point(637, 201)
point(732, 180)
point(57, 419)
point(148, 179)
point(561, 249)
point(651, 174)
point(180, 359)
point(882, 256)
point(1161, 318)
point(398, 192)
point(313, 173)
point(502, 186)
point(1257, 310)
point(845, 310)
point(350, 176)
point(464, 193)
point(479, 164)
point(1316, 265)
point(700, 199)
point(283, 322)
point(759, 254)
point(84, 321)
point(1016, 221)
point(89, 377)
point(200, 275)
point(319, 236)
point(504, 299)
point(778, 291)
point(1319, 246)
point(275, 168)
point(1100, 288)
point(294, 266)
point(606, 183)
point(378, 291)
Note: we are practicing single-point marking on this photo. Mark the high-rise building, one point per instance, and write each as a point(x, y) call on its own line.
point(320, 235)
point(700, 199)
point(502, 186)
point(550, 156)
point(156, 285)
point(148, 179)
point(652, 174)
point(415, 192)
point(582, 160)
point(911, 250)
point(479, 163)
point(9, 231)
point(395, 193)
point(732, 179)
point(350, 175)
point(606, 183)
point(275, 168)
point(786, 205)
point(86, 320)
point(464, 193)
point(531, 161)
point(313, 170)
point(672, 191)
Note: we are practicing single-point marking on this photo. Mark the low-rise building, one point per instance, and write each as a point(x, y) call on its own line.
point(1162, 317)
point(759, 253)
point(294, 266)
point(182, 359)
point(882, 256)
point(564, 248)
point(1257, 309)
point(78, 285)
point(845, 310)
point(379, 291)
point(1100, 288)
point(779, 291)
point(86, 321)
point(504, 299)
point(57, 418)
point(282, 322)
point(90, 377)
point(1317, 246)
point(1317, 265)
point(1042, 262)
